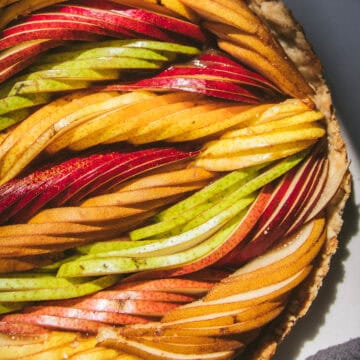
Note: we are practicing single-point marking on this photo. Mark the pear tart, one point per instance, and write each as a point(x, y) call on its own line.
point(172, 178)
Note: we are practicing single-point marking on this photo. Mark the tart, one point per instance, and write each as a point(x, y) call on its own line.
point(172, 178)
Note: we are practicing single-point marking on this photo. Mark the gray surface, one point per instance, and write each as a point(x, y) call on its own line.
point(333, 28)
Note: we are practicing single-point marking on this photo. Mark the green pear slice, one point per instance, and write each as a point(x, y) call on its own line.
point(76, 74)
point(105, 62)
point(194, 205)
point(91, 53)
point(205, 194)
point(13, 118)
point(123, 265)
point(112, 245)
point(46, 86)
point(184, 240)
point(66, 292)
point(9, 307)
point(143, 44)
point(27, 283)
point(13, 103)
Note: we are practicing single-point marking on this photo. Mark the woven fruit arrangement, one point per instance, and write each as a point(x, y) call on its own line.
point(172, 178)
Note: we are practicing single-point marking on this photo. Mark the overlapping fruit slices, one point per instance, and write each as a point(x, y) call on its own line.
point(175, 191)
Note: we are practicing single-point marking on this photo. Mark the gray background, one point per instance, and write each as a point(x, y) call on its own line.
point(333, 28)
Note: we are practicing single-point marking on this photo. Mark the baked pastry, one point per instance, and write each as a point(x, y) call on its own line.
point(194, 168)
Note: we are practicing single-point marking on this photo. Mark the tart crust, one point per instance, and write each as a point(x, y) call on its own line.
point(292, 38)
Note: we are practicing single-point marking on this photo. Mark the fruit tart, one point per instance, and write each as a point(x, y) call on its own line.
point(172, 178)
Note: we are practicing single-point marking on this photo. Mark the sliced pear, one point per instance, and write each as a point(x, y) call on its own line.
point(287, 135)
point(13, 118)
point(76, 74)
point(52, 340)
point(245, 116)
point(238, 301)
point(65, 350)
point(214, 189)
point(151, 132)
point(64, 127)
point(13, 103)
point(245, 159)
point(306, 117)
point(147, 117)
point(126, 198)
point(93, 53)
point(171, 177)
point(120, 265)
point(17, 150)
point(108, 126)
point(183, 241)
point(84, 215)
point(66, 292)
point(97, 353)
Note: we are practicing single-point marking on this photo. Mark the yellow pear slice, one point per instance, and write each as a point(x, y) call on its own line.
point(64, 351)
point(124, 198)
point(306, 117)
point(53, 339)
point(252, 157)
point(289, 135)
point(119, 121)
point(64, 127)
point(205, 118)
point(238, 301)
point(84, 215)
point(147, 132)
point(245, 115)
point(28, 139)
point(170, 178)
point(137, 122)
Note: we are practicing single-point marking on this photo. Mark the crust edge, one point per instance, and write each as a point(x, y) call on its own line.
point(291, 36)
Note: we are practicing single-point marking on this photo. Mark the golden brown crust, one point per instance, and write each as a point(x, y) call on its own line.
point(292, 38)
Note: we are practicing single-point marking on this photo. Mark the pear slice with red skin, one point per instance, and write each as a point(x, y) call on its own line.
point(113, 29)
point(13, 69)
point(25, 51)
point(173, 285)
point(82, 314)
point(141, 28)
point(215, 88)
point(136, 164)
point(59, 34)
point(55, 322)
point(133, 307)
point(173, 25)
point(23, 329)
point(55, 24)
point(274, 223)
